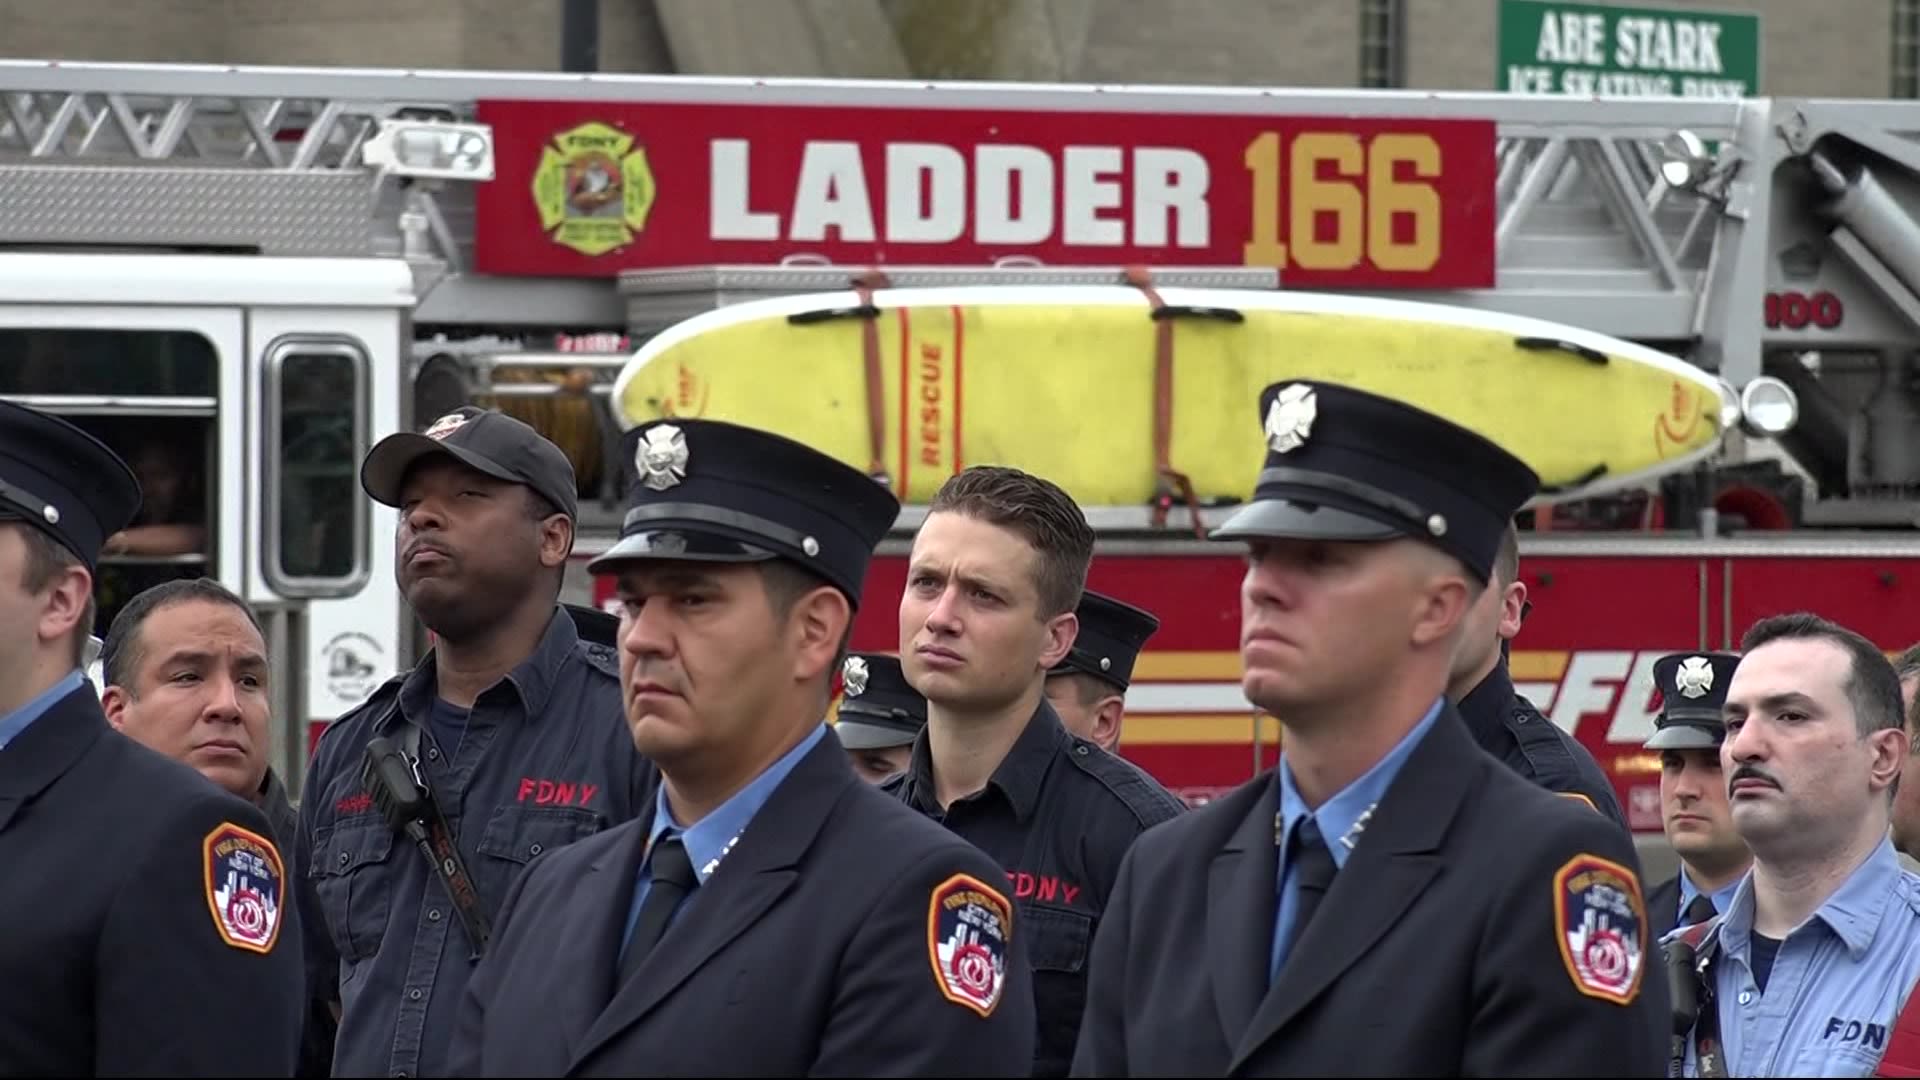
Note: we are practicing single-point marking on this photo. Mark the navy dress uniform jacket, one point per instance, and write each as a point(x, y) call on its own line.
point(1663, 905)
point(117, 959)
point(1438, 950)
point(1509, 727)
point(809, 952)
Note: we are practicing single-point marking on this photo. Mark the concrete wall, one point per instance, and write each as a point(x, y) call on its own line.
point(1832, 49)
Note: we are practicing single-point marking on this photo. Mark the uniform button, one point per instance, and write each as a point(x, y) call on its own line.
point(1081, 749)
point(413, 994)
point(343, 858)
point(433, 915)
point(433, 753)
point(1746, 997)
point(534, 850)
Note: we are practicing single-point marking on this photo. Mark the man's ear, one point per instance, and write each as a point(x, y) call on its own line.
point(1890, 749)
point(1513, 609)
point(1440, 608)
point(556, 539)
point(819, 624)
point(1106, 723)
point(1061, 632)
point(65, 604)
point(114, 701)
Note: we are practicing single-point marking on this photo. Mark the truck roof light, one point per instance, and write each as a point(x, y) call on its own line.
point(432, 149)
point(1768, 407)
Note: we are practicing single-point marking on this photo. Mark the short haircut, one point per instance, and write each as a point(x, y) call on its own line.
point(1506, 564)
point(121, 653)
point(786, 582)
point(1907, 664)
point(47, 559)
point(1039, 512)
point(1872, 687)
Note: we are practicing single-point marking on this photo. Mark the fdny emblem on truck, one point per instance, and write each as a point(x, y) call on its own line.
point(594, 189)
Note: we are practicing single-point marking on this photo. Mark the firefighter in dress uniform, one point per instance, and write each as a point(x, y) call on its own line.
point(1089, 687)
point(1694, 811)
point(1368, 907)
point(770, 914)
point(148, 924)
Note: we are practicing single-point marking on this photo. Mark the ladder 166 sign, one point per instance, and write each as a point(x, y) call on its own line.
point(592, 189)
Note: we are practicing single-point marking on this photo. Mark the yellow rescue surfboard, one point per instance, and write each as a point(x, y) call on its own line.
point(1060, 381)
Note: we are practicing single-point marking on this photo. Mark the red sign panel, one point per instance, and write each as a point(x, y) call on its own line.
point(584, 189)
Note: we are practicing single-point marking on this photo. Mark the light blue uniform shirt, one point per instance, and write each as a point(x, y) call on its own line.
point(1722, 897)
point(1838, 980)
point(12, 725)
point(709, 839)
point(1341, 819)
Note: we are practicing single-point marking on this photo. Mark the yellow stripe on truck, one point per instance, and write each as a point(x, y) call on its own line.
point(1197, 729)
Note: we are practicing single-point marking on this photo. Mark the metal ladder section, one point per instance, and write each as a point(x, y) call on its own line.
point(268, 159)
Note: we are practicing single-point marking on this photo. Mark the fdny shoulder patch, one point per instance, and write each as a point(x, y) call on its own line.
point(246, 885)
point(969, 925)
point(1600, 924)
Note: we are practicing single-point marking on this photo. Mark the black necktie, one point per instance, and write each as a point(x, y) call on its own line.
point(671, 880)
point(1699, 911)
point(1312, 864)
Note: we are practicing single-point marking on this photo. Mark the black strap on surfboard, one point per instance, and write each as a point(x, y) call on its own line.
point(868, 312)
point(1171, 480)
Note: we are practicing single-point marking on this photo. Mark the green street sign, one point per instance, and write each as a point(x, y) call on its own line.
point(1603, 50)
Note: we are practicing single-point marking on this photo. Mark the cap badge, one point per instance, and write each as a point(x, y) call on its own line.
point(854, 674)
point(445, 426)
point(662, 457)
point(1695, 677)
point(1290, 418)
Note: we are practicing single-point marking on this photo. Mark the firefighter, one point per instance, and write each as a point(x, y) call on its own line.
point(1809, 971)
point(512, 720)
point(994, 579)
point(879, 715)
point(1503, 721)
point(185, 671)
point(1088, 687)
point(1388, 876)
point(770, 914)
point(1693, 790)
point(147, 925)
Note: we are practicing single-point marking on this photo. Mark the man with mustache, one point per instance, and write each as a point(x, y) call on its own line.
point(993, 583)
point(770, 914)
point(1693, 792)
point(512, 722)
point(1807, 971)
point(1390, 900)
point(186, 673)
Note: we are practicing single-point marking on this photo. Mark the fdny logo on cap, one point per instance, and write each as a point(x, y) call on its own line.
point(1601, 924)
point(446, 426)
point(1695, 677)
point(662, 457)
point(1290, 418)
point(969, 926)
point(854, 674)
point(246, 885)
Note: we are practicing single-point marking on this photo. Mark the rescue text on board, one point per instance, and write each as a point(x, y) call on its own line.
point(1665, 47)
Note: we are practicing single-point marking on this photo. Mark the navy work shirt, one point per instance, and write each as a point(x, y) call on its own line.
point(1507, 725)
point(1057, 814)
point(545, 759)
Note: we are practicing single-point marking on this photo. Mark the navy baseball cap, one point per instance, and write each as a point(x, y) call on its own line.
point(1346, 464)
point(878, 707)
point(712, 491)
point(64, 482)
point(485, 440)
point(1111, 635)
point(1693, 691)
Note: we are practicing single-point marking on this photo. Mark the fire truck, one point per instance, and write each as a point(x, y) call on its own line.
point(242, 277)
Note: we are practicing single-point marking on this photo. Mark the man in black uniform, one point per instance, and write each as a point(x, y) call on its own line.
point(770, 914)
point(879, 717)
point(1469, 923)
point(1088, 687)
point(147, 928)
point(1505, 723)
point(513, 721)
point(1694, 808)
point(992, 586)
